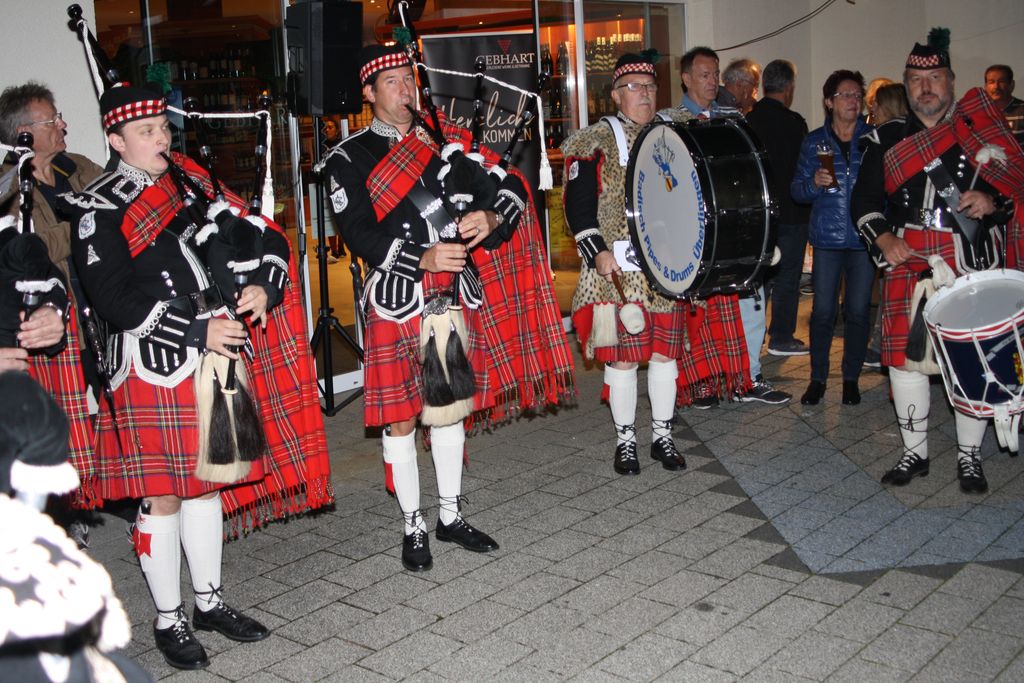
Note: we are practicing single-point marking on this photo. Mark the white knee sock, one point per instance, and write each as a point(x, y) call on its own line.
point(970, 432)
point(400, 453)
point(158, 545)
point(202, 536)
point(447, 445)
point(622, 400)
point(911, 397)
point(661, 389)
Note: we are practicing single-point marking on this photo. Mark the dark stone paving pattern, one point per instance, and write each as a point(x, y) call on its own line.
point(814, 472)
point(774, 557)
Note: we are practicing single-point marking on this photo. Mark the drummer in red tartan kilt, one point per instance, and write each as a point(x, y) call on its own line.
point(899, 213)
point(148, 268)
point(386, 196)
point(696, 345)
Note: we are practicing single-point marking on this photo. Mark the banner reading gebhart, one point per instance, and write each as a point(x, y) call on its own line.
point(509, 57)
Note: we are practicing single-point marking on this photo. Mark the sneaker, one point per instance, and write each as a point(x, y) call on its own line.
point(79, 533)
point(807, 289)
point(872, 359)
point(971, 476)
point(909, 466)
point(793, 347)
point(706, 399)
point(764, 392)
point(331, 258)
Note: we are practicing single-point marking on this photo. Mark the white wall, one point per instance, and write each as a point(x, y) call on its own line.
point(872, 36)
point(36, 44)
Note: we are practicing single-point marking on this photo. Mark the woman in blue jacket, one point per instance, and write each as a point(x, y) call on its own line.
point(839, 253)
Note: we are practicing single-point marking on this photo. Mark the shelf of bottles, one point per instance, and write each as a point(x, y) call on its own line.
point(227, 81)
point(604, 43)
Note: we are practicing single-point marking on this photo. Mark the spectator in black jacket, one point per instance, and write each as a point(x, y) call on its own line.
point(781, 131)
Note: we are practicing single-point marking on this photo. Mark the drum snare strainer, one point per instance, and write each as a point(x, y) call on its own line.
point(975, 326)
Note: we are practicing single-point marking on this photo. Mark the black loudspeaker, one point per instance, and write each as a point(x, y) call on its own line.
point(324, 39)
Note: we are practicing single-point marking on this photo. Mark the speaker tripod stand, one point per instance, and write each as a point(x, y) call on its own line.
point(326, 322)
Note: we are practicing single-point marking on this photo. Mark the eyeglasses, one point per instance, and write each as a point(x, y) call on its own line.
point(49, 122)
point(637, 87)
point(848, 95)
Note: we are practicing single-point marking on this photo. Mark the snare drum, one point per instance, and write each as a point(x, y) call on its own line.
point(975, 326)
point(698, 207)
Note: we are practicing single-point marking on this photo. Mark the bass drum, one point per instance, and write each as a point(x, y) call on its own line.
point(698, 207)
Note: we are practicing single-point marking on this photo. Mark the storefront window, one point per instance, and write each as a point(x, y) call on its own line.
point(225, 53)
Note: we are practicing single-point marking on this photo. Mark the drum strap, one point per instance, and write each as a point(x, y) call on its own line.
point(950, 194)
point(620, 138)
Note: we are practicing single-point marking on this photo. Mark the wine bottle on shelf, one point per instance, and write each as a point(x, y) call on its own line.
point(546, 65)
point(563, 97)
point(563, 60)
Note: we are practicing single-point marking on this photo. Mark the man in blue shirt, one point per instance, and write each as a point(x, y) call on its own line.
point(700, 74)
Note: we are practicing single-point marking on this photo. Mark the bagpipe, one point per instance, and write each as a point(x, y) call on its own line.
point(448, 377)
point(28, 276)
point(230, 246)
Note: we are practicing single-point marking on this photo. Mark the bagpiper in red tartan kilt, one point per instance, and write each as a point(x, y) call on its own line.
point(152, 450)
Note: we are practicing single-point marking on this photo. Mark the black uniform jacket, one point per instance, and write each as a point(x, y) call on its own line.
point(915, 202)
point(157, 304)
point(394, 245)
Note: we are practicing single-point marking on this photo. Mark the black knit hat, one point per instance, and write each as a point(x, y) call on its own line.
point(33, 438)
point(632, 63)
point(124, 103)
point(934, 55)
point(376, 58)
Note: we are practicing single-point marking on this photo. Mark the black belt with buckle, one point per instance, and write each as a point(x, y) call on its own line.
point(198, 303)
point(937, 219)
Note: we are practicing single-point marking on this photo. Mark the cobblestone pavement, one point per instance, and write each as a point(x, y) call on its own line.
point(775, 556)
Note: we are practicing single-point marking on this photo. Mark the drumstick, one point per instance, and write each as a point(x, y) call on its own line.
point(618, 286)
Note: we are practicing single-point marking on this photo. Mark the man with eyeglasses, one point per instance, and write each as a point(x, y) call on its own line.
point(30, 107)
point(699, 72)
point(899, 213)
point(595, 187)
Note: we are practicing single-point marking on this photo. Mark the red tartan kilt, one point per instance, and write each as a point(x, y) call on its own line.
point(717, 358)
point(662, 333)
point(393, 376)
point(159, 439)
point(898, 290)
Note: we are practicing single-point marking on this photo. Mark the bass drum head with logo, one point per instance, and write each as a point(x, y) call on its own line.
point(665, 210)
point(698, 207)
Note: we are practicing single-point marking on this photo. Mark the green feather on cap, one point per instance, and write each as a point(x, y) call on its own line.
point(938, 37)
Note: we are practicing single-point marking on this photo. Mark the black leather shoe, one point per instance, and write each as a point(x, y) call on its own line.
point(462, 533)
point(664, 449)
point(851, 393)
point(416, 552)
point(229, 622)
point(971, 476)
point(179, 646)
point(815, 390)
point(910, 465)
point(626, 461)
